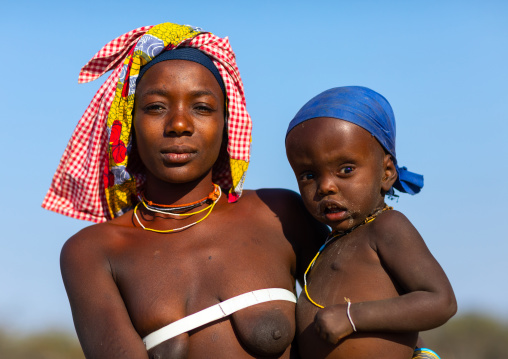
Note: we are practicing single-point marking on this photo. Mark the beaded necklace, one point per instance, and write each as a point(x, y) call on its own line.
point(170, 208)
point(208, 198)
point(154, 209)
point(332, 236)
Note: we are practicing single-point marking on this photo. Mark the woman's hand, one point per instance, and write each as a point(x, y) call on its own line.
point(332, 323)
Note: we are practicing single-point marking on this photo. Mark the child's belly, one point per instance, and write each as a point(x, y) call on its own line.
point(355, 272)
point(355, 346)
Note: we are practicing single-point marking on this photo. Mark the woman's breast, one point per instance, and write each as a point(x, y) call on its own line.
point(263, 330)
point(266, 329)
point(175, 348)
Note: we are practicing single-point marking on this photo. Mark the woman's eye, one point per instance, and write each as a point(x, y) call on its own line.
point(154, 108)
point(203, 108)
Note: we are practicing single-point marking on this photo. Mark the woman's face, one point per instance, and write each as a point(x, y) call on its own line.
point(178, 120)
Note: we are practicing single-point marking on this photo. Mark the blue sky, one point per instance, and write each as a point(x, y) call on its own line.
point(442, 65)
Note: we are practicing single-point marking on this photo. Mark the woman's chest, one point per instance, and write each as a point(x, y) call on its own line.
point(165, 280)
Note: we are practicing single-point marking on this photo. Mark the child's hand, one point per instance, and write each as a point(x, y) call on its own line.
point(332, 323)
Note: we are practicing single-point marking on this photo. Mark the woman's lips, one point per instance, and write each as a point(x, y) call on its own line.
point(177, 157)
point(178, 154)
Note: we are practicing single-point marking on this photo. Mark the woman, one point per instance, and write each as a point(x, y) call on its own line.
point(171, 136)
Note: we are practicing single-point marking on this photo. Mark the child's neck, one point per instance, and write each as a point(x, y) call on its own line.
point(369, 218)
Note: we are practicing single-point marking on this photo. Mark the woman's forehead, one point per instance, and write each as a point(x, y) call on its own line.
point(175, 67)
point(179, 72)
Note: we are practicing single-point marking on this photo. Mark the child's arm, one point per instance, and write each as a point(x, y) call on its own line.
point(427, 300)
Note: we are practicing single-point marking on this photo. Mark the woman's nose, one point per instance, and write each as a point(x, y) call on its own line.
point(179, 123)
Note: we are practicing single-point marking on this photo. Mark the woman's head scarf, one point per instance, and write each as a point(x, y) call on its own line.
point(98, 177)
point(367, 109)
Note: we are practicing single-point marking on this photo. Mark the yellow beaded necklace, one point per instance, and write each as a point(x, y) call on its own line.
point(332, 237)
point(211, 206)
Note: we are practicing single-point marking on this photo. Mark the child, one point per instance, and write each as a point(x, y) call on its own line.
point(374, 284)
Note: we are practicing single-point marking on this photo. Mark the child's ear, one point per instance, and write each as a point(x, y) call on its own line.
point(390, 173)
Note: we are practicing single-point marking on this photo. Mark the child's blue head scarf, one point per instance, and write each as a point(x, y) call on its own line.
point(367, 109)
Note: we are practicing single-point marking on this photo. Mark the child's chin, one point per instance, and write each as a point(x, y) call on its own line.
point(343, 226)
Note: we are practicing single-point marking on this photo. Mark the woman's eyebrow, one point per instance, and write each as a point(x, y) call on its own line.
point(163, 92)
point(154, 91)
point(199, 93)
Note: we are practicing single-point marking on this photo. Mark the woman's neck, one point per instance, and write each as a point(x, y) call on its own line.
point(162, 192)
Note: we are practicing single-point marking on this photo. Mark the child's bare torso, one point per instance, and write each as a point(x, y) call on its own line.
point(350, 267)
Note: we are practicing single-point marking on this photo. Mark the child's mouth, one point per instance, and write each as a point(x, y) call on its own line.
point(334, 213)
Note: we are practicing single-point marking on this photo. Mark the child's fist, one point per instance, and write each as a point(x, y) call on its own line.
point(332, 323)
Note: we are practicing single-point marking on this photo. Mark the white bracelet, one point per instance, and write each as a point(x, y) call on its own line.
point(349, 313)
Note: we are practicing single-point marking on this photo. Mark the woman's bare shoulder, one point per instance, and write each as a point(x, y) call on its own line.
point(286, 207)
point(279, 198)
point(92, 242)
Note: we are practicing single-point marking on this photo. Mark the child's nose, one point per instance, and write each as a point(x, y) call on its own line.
point(327, 186)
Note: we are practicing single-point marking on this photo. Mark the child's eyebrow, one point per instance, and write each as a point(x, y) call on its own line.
point(343, 159)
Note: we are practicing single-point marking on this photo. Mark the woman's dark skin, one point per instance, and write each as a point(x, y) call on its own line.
point(124, 282)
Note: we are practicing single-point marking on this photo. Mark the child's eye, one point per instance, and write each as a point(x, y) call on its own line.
point(307, 176)
point(346, 170)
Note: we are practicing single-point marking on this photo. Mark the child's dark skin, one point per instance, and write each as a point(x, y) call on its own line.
point(396, 286)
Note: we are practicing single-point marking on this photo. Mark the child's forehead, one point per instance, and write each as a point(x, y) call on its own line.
point(328, 126)
point(330, 132)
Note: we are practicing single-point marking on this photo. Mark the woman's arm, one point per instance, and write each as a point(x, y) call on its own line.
point(102, 323)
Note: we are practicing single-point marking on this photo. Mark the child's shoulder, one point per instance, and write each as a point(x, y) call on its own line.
point(392, 226)
point(388, 219)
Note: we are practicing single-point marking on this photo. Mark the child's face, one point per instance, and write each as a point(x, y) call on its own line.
point(341, 169)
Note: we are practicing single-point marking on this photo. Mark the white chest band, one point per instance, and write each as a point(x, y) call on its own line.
point(215, 312)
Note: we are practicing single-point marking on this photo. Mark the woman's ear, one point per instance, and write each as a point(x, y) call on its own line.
point(389, 173)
